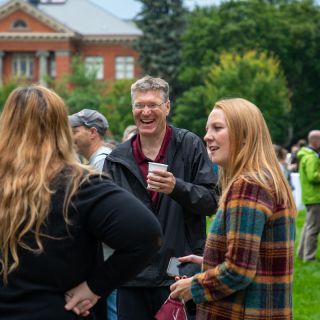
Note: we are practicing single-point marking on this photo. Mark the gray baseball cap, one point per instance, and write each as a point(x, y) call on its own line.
point(89, 118)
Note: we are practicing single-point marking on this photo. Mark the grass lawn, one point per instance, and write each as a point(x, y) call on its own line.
point(306, 283)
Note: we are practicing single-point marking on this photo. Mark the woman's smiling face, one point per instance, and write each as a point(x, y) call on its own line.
point(217, 138)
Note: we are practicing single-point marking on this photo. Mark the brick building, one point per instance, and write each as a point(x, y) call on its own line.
point(39, 37)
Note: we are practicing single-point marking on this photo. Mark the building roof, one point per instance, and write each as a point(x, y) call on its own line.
point(87, 18)
point(59, 30)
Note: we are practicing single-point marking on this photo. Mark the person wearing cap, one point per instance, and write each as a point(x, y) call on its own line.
point(180, 198)
point(89, 128)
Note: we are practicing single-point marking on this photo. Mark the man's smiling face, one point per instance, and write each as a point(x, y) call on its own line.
point(151, 112)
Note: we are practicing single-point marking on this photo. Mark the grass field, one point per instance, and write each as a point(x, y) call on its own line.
point(306, 283)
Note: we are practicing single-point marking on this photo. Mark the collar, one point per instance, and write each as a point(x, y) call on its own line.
point(139, 155)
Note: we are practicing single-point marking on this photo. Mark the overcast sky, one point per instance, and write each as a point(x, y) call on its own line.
point(127, 9)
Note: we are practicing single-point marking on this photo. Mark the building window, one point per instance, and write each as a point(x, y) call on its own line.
point(124, 67)
point(23, 66)
point(53, 68)
point(95, 65)
point(19, 24)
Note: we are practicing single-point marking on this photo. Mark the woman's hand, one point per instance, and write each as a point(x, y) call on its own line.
point(181, 289)
point(191, 258)
point(80, 299)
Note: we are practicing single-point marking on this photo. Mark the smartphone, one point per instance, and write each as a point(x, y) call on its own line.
point(173, 269)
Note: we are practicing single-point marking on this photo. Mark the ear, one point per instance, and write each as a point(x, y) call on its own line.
point(168, 107)
point(93, 131)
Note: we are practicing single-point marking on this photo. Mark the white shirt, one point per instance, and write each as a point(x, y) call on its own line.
point(97, 158)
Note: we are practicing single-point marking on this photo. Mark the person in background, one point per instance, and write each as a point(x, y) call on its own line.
point(180, 198)
point(294, 161)
point(89, 128)
point(281, 154)
point(54, 214)
point(309, 170)
point(247, 266)
point(292, 166)
point(111, 144)
point(129, 132)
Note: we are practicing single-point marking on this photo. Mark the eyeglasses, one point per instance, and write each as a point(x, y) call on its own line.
point(141, 106)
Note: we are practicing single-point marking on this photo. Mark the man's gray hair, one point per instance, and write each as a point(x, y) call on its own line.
point(148, 83)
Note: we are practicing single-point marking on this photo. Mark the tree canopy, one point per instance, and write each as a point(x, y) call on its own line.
point(162, 23)
point(117, 107)
point(286, 30)
point(253, 76)
point(6, 89)
point(80, 89)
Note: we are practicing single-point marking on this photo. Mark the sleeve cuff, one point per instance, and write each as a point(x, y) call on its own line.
point(198, 291)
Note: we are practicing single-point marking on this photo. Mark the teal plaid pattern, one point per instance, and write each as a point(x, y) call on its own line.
point(248, 259)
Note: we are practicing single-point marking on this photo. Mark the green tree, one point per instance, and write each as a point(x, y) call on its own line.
point(299, 53)
point(192, 109)
point(286, 29)
point(253, 76)
point(162, 24)
point(118, 108)
point(80, 89)
point(6, 89)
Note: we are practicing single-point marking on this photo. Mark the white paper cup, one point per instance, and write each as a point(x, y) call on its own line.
point(156, 166)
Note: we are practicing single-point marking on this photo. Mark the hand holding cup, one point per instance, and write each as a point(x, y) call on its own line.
point(159, 179)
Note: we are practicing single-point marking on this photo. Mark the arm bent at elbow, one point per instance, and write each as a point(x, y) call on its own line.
point(132, 230)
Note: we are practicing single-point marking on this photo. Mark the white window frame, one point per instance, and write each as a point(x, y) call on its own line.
point(95, 64)
point(53, 68)
point(124, 67)
point(17, 65)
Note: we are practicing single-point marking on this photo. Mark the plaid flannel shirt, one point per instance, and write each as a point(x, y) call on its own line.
point(248, 259)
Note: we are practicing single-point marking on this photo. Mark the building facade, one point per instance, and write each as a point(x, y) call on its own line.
point(38, 38)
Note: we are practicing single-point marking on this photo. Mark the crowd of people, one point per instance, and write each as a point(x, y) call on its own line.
point(88, 231)
point(304, 160)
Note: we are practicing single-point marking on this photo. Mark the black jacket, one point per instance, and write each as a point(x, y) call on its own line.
point(100, 211)
point(182, 213)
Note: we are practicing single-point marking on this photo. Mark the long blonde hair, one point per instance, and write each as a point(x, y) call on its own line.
point(35, 145)
point(252, 155)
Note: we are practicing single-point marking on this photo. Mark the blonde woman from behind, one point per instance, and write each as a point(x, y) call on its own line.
point(54, 214)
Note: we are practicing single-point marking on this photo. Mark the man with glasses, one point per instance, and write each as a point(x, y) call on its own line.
point(180, 197)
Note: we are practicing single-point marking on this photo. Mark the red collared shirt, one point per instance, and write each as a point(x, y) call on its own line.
point(142, 160)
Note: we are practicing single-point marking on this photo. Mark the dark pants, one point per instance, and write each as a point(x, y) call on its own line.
point(135, 303)
point(307, 248)
point(140, 303)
